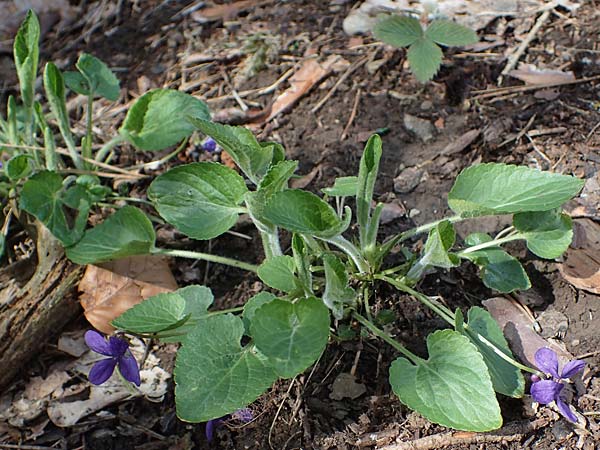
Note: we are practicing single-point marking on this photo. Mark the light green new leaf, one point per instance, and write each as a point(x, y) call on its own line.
point(26, 53)
point(337, 292)
point(197, 301)
point(18, 167)
point(506, 378)
point(278, 272)
point(277, 177)
point(304, 212)
point(448, 33)
point(42, 197)
point(439, 242)
point(492, 188)
point(157, 313)
point(452, 388)
point(367, 175)
point(252, 305)
point(54, 86)
point(214, 374)
point(425, 59)
point(77, 82)
point(343, 187)
point(251, 157)
point(201, 199)
point(548, 233)
point(100, 79)
point(127, 232)
point(398, 31)
point(159, 119)
point(291, 335)
point(498, 270)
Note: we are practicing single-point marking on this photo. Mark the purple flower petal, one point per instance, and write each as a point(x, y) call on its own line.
point(129, 368)
point(243, 415)
point(545, 391)
point(117, 346)
point(97, 343)
point(565, 410)
point(209, 144)
point(102, 371)
point(547, 361)
point(211, 426)
point(572, 367)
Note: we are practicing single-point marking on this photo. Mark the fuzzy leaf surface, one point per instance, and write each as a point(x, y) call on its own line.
point(425, 59)
point(452, 387)
point(158, 119)
point(548, 233)
point(398, 31)
point(214, 374)
point(494, 188)
point(201, 199)
point(291, 335)
point(448, 33)
point(278, 272)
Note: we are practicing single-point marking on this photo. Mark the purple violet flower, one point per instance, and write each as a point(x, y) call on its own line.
point(118, 354)
point(243, 415)
point(549, 390)
point(209, 145)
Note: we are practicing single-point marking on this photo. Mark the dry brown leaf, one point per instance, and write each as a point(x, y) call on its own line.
point(530, 74)
point(110, 289)
point(582, 260)
point(518, 328)
point(301, 82)
point(226, 11)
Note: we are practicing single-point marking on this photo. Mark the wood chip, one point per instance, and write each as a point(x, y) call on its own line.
point(582, 261)
point(110, 289)
point(226, 11)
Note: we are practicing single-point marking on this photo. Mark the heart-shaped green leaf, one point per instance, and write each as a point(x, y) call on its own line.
point(157, 313)
point(42, 197)
point(251, 157)
point(201, 199)
point(548, 233)
point(127, 232)
point(159, 119)
point(506, 378)
point(452, 388)
point(291, 335)
point(278, 272)
point(492, 188)
point(214, 374)
point(100, 79)
point(304, 212)
point(252, 305)
point(337, 293)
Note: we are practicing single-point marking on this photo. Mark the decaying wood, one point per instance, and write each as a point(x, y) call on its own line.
point(34, 303)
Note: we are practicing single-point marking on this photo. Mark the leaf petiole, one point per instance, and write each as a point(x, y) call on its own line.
point(206, 257)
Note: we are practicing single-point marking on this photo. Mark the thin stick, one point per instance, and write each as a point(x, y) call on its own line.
point(352, 115)
point(257, 92)
point(346, 74)
point(514, 58)
point(487, 93)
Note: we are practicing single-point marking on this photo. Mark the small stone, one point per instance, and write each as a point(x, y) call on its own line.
point(345, 386)
point(426, 105)
point(408, 180)
point(391, 212)
point(422, 128)
point(413, 213)
point(374, 66)
point(553, 324)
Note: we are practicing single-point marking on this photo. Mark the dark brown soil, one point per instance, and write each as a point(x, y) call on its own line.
point(300, 413)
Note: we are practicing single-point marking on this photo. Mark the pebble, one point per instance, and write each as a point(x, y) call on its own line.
point(422, 128)
point(408, 180)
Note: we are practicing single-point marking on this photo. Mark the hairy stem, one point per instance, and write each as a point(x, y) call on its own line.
point(206, 257)
point(387, 338)
point(351, 250)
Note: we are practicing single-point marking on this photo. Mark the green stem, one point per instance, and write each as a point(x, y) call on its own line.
point(271, 245)
point(365, 296)
point(349, 248)
point(206, 257)
point(449, 317)
point(87, 144)
point(494, 243)
point(106, 148)
point(133, 200)
point(387, 338)
point(439, 309)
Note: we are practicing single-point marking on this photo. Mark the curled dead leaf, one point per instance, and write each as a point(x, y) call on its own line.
point(110, 289)
point(581, 267)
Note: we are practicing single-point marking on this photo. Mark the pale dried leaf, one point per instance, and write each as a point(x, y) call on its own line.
point(518, 328)
point(72, 343)
point(226, 11)
point(110, 289)
point(530, 74)
point(309, 74)
point(581, 266)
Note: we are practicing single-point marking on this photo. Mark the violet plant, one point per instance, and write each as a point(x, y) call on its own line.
point(227, 359)
point(59, 186)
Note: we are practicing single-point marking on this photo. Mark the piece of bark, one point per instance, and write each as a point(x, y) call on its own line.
point(32, 312)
